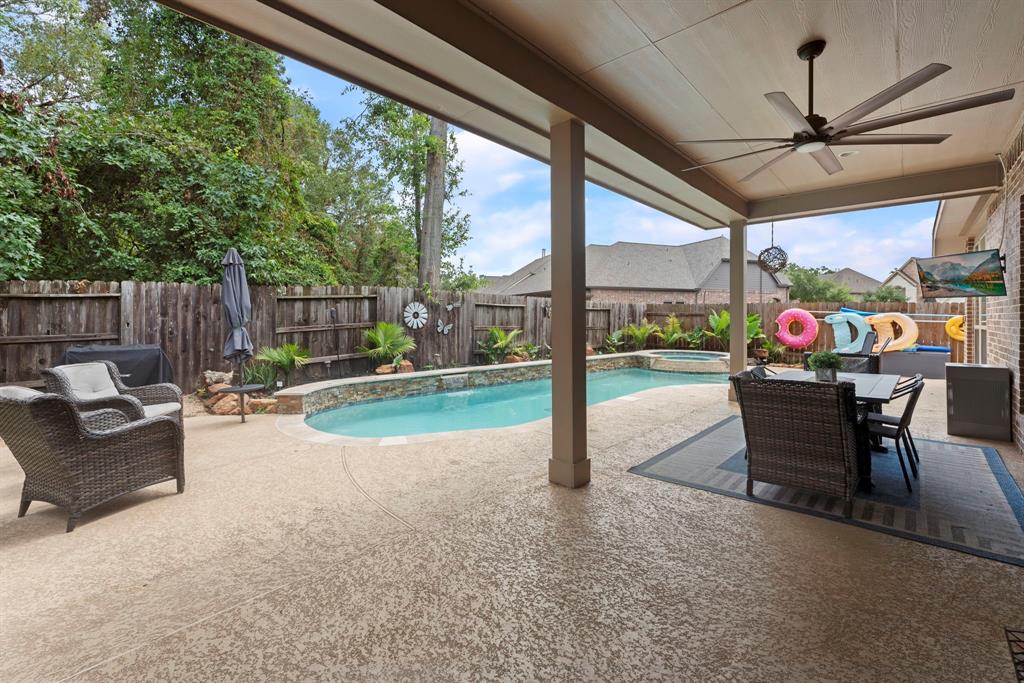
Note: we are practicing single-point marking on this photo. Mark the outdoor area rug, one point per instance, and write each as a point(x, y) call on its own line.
point(965, 498)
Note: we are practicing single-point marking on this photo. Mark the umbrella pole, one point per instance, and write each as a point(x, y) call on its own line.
point(241, 383)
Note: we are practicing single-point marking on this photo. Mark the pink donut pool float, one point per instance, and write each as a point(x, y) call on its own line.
point(808, 328)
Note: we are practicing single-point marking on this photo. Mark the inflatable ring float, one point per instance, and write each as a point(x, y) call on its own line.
point(883, 324)
point(955, 327)
point(808, 328)
point(841, 324)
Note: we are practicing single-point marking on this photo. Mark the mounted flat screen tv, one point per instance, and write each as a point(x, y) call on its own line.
point(974, 273)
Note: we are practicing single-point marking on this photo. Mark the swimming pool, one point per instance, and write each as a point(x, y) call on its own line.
point(501, 405)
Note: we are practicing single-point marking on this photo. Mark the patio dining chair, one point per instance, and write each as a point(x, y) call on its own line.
point(804, 435)
point(98, 384)
point(897, 427)
point(78, 460)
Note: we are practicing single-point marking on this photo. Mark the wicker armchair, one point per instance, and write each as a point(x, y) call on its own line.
point(97, 384)
point(801, 434)
point(78, 460)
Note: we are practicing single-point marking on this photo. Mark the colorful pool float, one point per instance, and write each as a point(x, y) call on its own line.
point(955, 327)
point(808, 328)
point(883, 324)
point(841, 324)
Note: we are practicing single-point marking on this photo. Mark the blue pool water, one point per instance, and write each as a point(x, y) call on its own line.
point(501, 405)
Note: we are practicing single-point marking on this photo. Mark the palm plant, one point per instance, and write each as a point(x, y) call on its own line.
point(672, 332)
point(285, 358)
point(614, 341)
point(498, 344)
point(638, 335)
point(694, 338)
point(387, 342)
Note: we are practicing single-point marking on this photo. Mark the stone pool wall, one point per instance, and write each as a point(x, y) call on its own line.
point(319, 396)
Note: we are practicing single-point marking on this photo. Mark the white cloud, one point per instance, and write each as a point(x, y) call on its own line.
point(504, 241)
point(490, 168)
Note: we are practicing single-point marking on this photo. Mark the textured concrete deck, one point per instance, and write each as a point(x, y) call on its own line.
point(288, 560)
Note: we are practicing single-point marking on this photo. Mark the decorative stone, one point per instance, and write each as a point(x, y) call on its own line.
point(406, 366)
point(261, 405)
point(229, 405)
point(213, 377)
point(386, 369)
point(590, 350)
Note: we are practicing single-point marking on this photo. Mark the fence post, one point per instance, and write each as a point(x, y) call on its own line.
point(126, 321)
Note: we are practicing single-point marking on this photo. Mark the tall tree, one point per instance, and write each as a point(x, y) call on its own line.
point(433, 205)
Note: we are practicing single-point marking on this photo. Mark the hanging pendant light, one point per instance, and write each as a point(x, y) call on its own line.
point(773, 259)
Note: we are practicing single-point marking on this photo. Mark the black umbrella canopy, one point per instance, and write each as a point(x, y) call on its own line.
point(237, 308)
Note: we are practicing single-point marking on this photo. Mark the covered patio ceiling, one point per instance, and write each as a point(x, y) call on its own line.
point(643, 74)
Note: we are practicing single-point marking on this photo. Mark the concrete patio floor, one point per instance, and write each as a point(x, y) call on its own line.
point(290, 560)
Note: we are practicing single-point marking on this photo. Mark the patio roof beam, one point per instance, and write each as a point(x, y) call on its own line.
point(469, 30)
point(956, 182)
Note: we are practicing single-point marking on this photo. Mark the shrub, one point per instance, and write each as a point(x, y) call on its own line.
point(387, 342)
point(284, 359)
point(638, 335)
point(672, 332)
point(260, 372)
point(498, 344)
point(822, 360)
point(614, 341)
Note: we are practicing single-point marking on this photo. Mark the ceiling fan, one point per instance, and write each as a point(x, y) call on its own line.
point(815, 135)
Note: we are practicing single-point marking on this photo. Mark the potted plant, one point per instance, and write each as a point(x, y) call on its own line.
point(825, 364)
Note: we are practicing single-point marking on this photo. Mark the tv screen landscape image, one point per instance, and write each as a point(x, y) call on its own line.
point(974, 273)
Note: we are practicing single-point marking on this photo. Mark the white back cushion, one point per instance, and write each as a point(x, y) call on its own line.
point(89, 380)
point(17, 392)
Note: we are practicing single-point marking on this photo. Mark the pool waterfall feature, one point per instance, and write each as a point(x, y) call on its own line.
point(476, 397)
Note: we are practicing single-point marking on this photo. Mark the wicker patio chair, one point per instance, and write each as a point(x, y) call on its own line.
point(79, 460)
point(98, 384)
point(802, 434)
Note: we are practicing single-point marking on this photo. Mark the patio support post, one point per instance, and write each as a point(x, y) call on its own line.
point(569, 465)
point(737, 299)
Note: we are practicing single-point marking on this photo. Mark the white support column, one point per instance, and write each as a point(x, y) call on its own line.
point(737, 299)
point(569, 465)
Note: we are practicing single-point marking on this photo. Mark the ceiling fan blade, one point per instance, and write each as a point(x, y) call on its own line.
point(737, 156)
point(883, 139)
point(827, 160)
point(789, 112)
point(768, 163)
point(701, 142)
point(932, 110)
point(890, 94)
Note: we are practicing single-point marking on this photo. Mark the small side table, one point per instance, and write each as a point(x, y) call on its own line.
point(242, 391)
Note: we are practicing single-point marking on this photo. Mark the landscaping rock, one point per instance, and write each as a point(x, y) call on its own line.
point(590, 350)
point(261, 405)
point(406, 366)
point(386, 369)
point(229, 405)
point(514, 359)
point(213, 377)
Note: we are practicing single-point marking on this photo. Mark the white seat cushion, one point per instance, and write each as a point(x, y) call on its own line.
point(89, 380)
point(17, 392)
point(161, 409)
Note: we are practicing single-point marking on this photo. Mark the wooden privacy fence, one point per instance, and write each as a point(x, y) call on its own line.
point(39, 320)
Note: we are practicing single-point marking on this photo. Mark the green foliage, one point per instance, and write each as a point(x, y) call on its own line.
point(387, 342)
point(810, 285)
point(672, 334)
point(719, 328)
point(776, 350)
point(886, 293)
point(260, 372)
point(821, 360)
point(498, 344)
point(529, 351)
point(285, 359)
point(613, 342)
point(140, 144)
point(639, 335)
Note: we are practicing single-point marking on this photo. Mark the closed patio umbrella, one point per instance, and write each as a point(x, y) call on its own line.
point(237, 312)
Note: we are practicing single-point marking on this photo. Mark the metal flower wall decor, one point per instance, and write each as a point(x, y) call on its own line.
point(415, 315)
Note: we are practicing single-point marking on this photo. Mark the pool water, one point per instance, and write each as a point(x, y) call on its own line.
point(501, 405)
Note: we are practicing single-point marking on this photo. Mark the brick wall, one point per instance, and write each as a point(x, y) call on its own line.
point(1003, 314)
point(656, 296)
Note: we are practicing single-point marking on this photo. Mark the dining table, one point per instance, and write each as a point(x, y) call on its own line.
point(869, 388)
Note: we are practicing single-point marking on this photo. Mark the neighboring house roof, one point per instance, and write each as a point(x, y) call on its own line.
point(856, 282)
point(630, 265)
point(907, 273)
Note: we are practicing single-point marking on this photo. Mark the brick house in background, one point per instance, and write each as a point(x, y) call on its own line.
point(634, 272)
point(857, 282)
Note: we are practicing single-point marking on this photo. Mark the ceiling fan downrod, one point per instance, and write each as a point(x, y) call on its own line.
point(809, 52)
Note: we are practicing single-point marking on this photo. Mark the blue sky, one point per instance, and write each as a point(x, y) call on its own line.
point(508, 207)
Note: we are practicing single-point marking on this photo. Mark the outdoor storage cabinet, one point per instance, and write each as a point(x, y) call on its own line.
point(978, 401)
